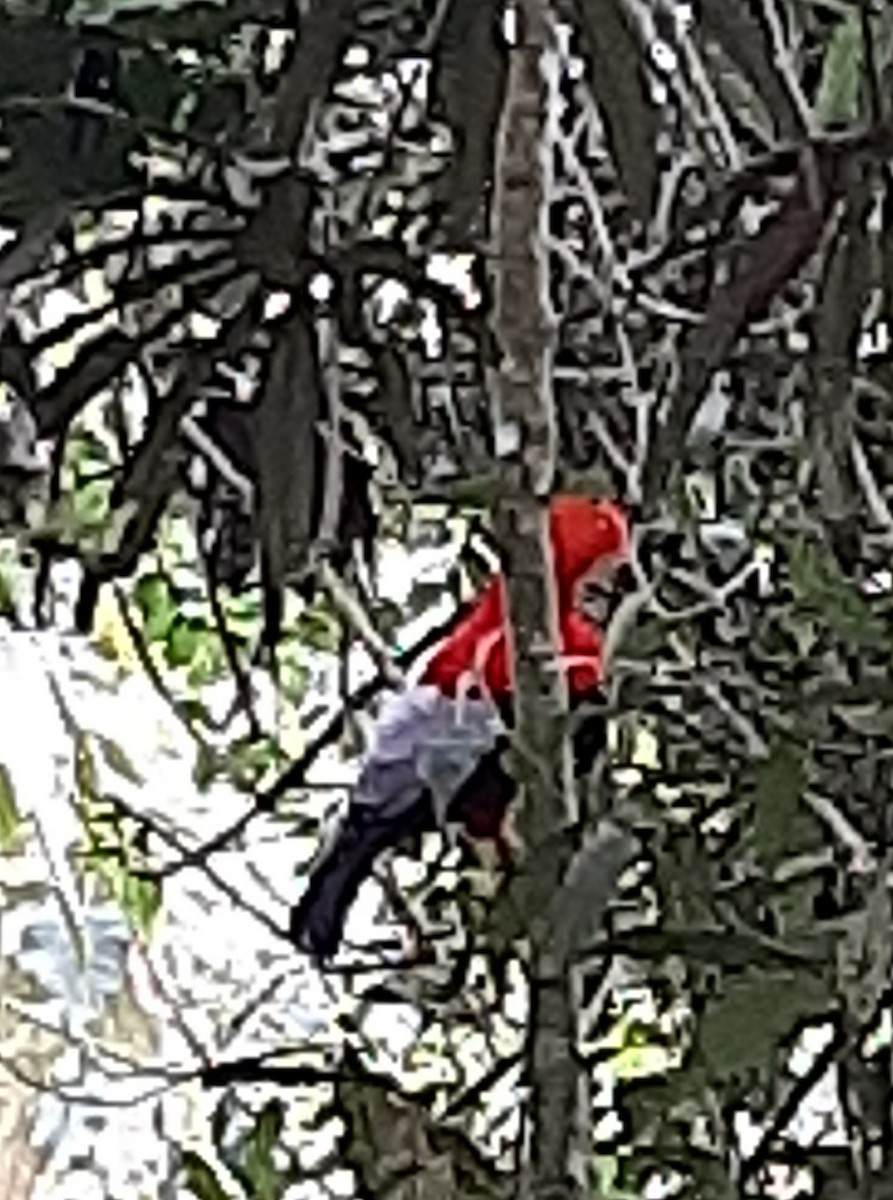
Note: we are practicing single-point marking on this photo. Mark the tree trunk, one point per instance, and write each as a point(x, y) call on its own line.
point(525, 423)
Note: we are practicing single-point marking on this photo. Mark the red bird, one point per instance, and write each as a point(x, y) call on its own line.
point(436, 749)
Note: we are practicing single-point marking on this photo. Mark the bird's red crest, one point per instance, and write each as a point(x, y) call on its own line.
point(585, 532)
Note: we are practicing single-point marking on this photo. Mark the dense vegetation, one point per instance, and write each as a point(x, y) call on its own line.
point(333, 271)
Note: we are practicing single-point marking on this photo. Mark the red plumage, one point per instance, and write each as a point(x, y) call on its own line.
point(584, 536)
point(436, 750)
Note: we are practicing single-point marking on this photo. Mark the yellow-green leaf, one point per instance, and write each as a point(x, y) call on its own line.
point(117, 758)
point(10, 817)
point(200, 1178)
point(140, 900)
point(838, 96)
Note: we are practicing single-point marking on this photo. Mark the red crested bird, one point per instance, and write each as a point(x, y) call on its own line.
point(435, 756)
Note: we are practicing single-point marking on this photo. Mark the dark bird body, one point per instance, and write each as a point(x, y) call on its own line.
point(436, 757)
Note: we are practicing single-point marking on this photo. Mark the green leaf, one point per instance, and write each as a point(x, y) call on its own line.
point(85, 455)
point(140, 900)
point(259, 1166)
point(10, 817)
point(741, 1028)
point(58, 154)
point(200, 1177)
point(248, 760)
point(151, 87)
point(116, 758)
point(293, 676)
point(606, 1172)
point(36, 59)
point(842, 70)
point(250, 1159)
point(780, 782)
point(113, 853)
point(208, 660)
point(206, 768)
point(822, 593)
point(7, 592)
point(220, 109)
point(731, 949)
point(318, 629)
point(92, 504)
point(183, 639)
point(244, 610)
point(156, 604)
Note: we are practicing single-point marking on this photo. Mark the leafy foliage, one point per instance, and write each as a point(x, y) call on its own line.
point(252, 213)
point(114, 851)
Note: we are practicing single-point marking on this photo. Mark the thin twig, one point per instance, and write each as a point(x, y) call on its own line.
point(175, 1012)
point(846, 833)
point(333, 475)
point(787, 68)
point(217, 457)
point(874, 497)
point(357, 617)
point(756, 744)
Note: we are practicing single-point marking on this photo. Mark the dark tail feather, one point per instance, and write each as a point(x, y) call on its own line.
point(317, 920)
